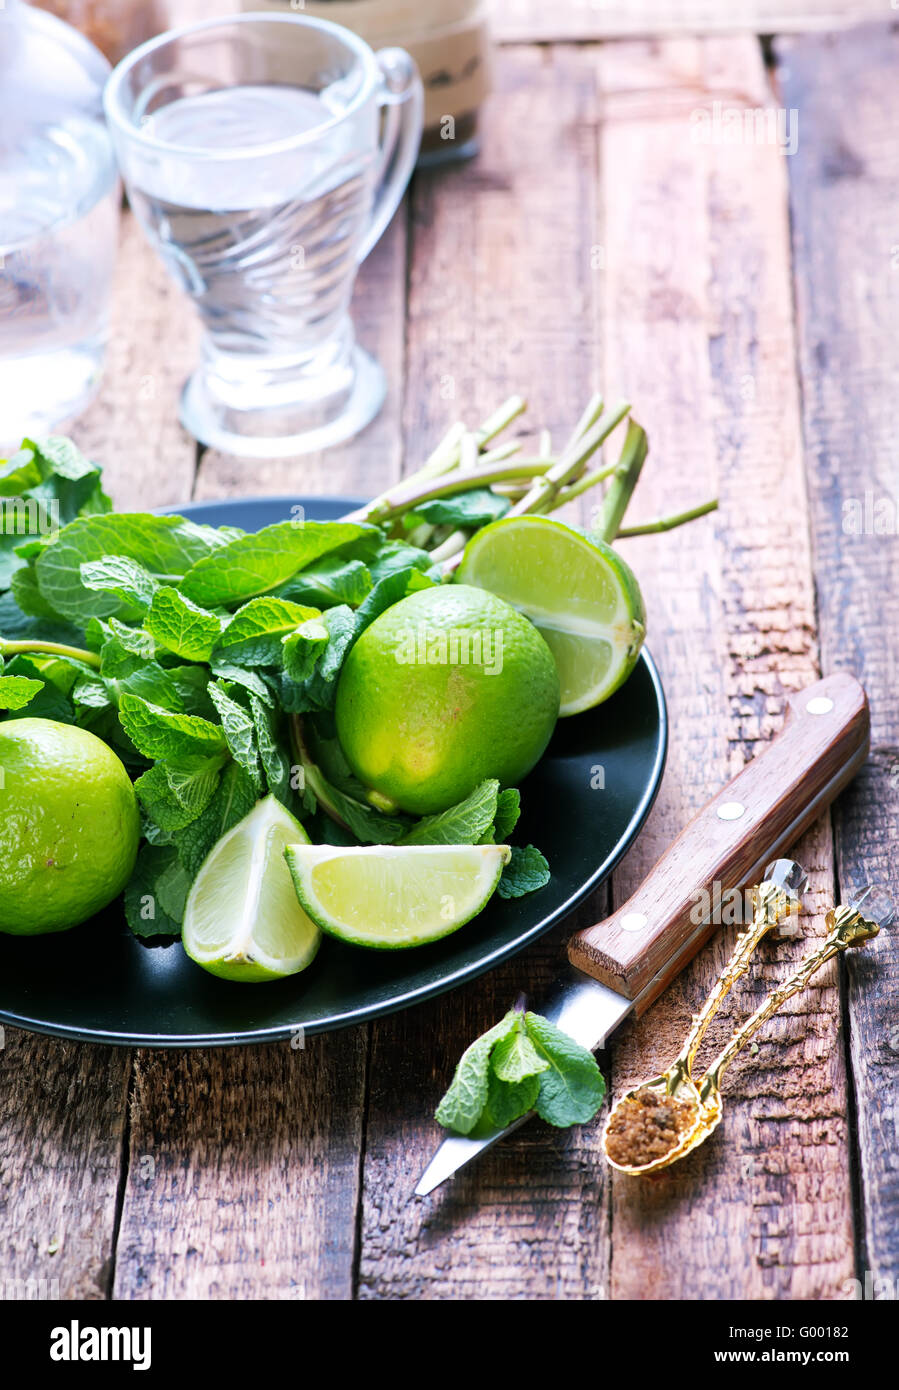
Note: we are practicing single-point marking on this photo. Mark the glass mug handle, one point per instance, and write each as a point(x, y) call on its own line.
point(401, 97)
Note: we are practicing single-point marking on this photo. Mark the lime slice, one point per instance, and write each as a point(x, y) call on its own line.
point(576, 590)
point(389, 896)
point(242, 920)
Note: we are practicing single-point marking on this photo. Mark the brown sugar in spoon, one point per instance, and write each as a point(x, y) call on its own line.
point(648, 1123)
point(699, 1117)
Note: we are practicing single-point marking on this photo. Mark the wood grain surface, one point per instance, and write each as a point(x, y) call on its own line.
point(596, 241)
point(845, 185)
point(523, 21)
point(697, 316)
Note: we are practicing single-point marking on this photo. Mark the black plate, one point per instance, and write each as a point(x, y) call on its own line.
point(583, 805)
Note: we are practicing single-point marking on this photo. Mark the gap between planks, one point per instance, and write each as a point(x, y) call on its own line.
point(844, 182)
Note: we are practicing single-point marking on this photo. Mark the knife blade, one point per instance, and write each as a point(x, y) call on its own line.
point(621, 965)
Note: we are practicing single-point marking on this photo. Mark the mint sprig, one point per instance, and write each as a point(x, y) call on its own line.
point(523, 1063)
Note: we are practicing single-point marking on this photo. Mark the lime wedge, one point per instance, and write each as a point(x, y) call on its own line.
point(390, 896)
point(576, 590)
point(242, 920)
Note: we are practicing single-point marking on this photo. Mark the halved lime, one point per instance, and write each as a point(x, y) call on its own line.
point(242, 920)
point(576, 590)
point(391, 896)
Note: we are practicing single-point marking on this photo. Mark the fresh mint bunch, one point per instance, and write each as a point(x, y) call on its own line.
point(523, 1063)
point(204, 655)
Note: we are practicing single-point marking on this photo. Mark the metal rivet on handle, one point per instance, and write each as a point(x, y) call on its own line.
point(821, 704)
point(731, 810)
point(633, 921)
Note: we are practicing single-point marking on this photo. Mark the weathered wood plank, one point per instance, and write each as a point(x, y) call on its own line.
point(63, 1111)
point(500, 301)
point(844, 184)
point(501, 285)
point(243, 1172)
point(523, 21)
point(697, 317)
point(530, 1218)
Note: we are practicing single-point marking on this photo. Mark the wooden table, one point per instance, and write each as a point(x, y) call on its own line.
point(747, 303)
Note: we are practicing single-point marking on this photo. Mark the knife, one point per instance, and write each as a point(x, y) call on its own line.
point(618, 967)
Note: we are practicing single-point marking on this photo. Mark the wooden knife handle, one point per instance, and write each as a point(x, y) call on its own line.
point(640, 949)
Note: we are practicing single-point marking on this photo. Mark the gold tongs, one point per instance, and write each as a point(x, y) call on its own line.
point(655, 1124)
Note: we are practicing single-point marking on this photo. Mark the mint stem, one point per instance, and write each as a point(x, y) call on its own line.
point(545, 490)
point(668, 523)
point(589, 418)
point(445, 459)
point(26, 648)
point(624, 480)
point(408, 495)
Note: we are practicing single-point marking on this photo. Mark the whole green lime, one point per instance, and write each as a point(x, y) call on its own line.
point(446, 688)
point(69, 826)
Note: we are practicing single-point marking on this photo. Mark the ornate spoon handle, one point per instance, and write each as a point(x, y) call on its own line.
point(847, 928)
point(775, 898)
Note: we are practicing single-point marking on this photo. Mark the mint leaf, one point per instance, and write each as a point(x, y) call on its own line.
point(161, 733)
point(507, 1101)
point(240, 731)
point(240, 675)
point(189, 686)
point(523, 1063)
point(275, 762)
point(469, 509)
point(463, 824)
point(317, 692)
point(181, 626)
point(525, 872)
point(92, 691)
point(515, 1058)
point(159, 801)
point(123, 578)
point(254, 636)
point(383, 557)
point(23, 584)
point(133, 640)
point(572, 1088)
point(330, 582)
point(151, 682)
point(18, 691)
point(16, 624)
point(60, 456)
point(18, 474)
point(462, 1105)
point(193, 782)
point(157, 869)
point(235, 798)
point(163, 545)
point(508, 809)
point(388, 591)
point(46, 701)
point(302, 649)
point(257, 563)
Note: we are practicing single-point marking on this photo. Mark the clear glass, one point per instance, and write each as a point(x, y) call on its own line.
point(59, 214)
point(264, 156)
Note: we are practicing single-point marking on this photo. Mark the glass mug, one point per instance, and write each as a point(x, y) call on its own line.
point(264, 155)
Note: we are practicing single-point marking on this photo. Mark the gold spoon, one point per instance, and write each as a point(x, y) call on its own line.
point(668, 1107)
point(847, 928)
